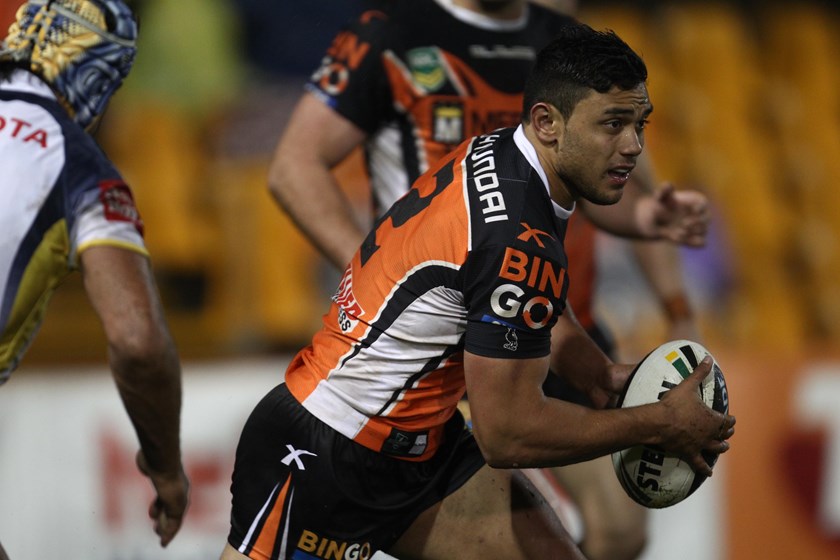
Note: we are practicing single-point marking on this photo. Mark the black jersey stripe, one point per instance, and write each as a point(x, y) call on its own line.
point(421, 281)
point(429, 367)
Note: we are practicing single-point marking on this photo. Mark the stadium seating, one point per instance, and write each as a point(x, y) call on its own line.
point(747, 105)
point(709, 131)
point(803, 91)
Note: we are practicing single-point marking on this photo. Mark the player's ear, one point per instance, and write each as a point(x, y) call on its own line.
point(547, 122)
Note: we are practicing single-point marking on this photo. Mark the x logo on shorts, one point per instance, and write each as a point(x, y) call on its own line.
point(294, 455)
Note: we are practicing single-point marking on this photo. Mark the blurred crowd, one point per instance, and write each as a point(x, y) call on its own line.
point(747, 107)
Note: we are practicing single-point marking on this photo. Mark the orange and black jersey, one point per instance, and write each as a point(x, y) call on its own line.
point(423, 76)
point(471, 258)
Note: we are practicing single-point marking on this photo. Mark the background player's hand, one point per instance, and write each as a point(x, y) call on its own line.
point(681, 216)
point(169, 506)
point(606, 395)
point(691, 426)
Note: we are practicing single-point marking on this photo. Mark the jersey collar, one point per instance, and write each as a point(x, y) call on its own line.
point(483, 21)
point(530, 154)
point(27, 82)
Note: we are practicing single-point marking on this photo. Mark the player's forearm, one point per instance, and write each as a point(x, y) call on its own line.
point(150, 389)
point(624, 218)
point(516, 425)
point(557, 433)
point(629, 217)
point(312, 198)
point(143, 358)
point(661, 265)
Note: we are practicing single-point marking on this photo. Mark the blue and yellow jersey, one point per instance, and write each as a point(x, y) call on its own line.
point(59, 195)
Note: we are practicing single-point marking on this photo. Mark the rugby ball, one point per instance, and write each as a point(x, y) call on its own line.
point(649, 475)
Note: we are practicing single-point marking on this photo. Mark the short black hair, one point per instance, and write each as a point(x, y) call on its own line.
point(9, 66)
point(580, 59)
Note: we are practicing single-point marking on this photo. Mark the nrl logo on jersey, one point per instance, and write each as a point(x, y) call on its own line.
point(426, 68)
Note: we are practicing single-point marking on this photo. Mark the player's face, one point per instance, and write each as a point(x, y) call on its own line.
point(600, 143)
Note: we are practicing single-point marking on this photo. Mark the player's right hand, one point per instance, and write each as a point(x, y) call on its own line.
point(169, 506)
point(694, 427)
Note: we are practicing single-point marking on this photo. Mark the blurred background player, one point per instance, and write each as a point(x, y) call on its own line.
point(410, 85)
point(362, 443)
point(63, 206)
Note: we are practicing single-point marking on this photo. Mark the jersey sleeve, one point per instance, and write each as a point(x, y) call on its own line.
point(111, 219)
point(507, 317)
point(100, 206)
point(351, 79)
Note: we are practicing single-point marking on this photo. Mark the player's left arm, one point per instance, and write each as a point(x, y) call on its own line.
point(146, 369)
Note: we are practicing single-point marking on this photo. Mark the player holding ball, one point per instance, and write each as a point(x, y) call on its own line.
point(461, 286)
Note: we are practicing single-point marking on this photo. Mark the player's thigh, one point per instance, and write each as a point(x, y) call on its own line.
point(497, 514)
point(595, 489)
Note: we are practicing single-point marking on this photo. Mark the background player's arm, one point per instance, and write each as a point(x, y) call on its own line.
point(300, 178)
point(146, 369)
point(661, 265)
point(660, 261)
point(680, 216)
point(516, 425)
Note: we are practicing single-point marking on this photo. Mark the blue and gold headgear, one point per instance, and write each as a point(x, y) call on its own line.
point(83, 49)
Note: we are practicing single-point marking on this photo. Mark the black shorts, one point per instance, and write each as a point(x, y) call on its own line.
point(300, 486)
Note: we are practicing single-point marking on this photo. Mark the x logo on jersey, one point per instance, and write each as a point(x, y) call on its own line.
point(532, 233)
point(294, 455)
